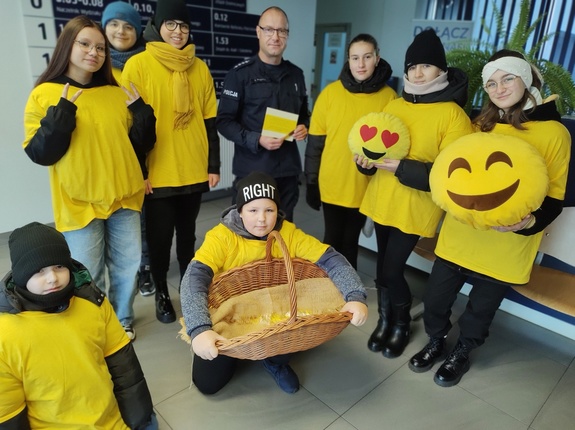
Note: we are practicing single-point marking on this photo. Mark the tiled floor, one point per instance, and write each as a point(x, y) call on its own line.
point(522, 378)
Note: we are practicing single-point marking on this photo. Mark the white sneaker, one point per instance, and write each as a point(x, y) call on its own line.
point(130, 332)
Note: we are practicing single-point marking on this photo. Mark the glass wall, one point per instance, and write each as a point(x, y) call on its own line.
point(555, 28)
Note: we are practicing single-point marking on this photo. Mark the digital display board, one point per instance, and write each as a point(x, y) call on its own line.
point(224, 34)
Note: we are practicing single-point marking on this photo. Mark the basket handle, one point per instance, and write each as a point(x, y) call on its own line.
point(274, 235)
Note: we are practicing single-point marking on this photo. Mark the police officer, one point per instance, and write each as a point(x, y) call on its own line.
point(265, 80)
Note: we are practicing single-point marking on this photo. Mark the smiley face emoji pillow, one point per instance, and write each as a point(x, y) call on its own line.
point(489, 180)
point(379, 135)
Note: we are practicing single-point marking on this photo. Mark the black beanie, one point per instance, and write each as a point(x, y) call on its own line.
point(426, 48)
point(170, 9)
point(35, 246)
point(257, 185)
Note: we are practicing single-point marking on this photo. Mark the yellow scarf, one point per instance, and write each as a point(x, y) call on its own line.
point(178, 61)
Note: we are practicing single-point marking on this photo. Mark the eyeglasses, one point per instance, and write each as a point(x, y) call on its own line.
point(172, 25)
point(87, 48)
point(506, 82)
point(116, 25)
point(269, 31)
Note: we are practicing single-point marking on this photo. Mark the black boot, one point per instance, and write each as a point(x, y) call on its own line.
point(381, 332)
point(454, 367)
point(426, 358)
point(399, 334)
point(164, 310)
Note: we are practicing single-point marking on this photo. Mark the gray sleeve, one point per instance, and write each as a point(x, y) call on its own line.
point(343, 275)
point(194, 298)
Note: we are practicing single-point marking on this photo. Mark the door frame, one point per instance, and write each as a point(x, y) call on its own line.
point(320, 30)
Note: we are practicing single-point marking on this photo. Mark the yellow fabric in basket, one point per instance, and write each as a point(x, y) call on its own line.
point(265, 307)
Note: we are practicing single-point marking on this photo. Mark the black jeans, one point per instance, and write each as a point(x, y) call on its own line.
point(210, 376)
point(445, 282)
point(163, 216)
point(342, 228)
point(393, 250)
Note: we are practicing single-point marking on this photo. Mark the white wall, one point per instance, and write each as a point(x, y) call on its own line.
point(24, 185)
point(388, 21)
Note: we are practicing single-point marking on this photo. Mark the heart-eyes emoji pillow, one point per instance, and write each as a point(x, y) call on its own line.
point(489, 180)
point(379, 135)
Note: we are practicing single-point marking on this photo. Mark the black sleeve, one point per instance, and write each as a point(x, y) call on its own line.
point(130, 388)
point(228, 118)
point(414, 174)
point(53, 138)
point(19, 422)
point(545, 215)
point(313, 151)
point(214, 161)
point(143, 131)
point(304, 114)
point(367, 172)
point(143, 167)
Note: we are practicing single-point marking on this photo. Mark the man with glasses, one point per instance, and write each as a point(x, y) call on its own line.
point(265, 80)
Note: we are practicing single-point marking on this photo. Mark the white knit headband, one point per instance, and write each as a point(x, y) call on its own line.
point(517, 67)
point(513, 65)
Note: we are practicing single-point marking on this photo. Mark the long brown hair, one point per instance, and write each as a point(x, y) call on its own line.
point(515, 115)
point(61, 57)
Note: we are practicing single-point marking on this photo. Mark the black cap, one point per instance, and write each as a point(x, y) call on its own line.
point(426, 48)
point(170, 9)
point(34, 247)
point(257, 185)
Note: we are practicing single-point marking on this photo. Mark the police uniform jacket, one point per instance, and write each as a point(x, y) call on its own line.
point(249, 88)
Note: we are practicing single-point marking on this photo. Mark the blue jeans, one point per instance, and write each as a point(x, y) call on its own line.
point(114, 243)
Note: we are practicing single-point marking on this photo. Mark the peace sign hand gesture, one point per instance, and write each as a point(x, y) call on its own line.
point(74, 97)
point(132, 96)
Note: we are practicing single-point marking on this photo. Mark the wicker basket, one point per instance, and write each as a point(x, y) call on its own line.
point(298, 333)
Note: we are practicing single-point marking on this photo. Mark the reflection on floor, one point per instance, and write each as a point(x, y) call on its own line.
point(522, 378)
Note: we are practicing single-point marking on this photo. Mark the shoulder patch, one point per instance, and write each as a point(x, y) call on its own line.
point(243, 63)
point(230, 93)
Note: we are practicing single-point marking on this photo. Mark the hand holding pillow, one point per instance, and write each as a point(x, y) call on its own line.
point(489, 180)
